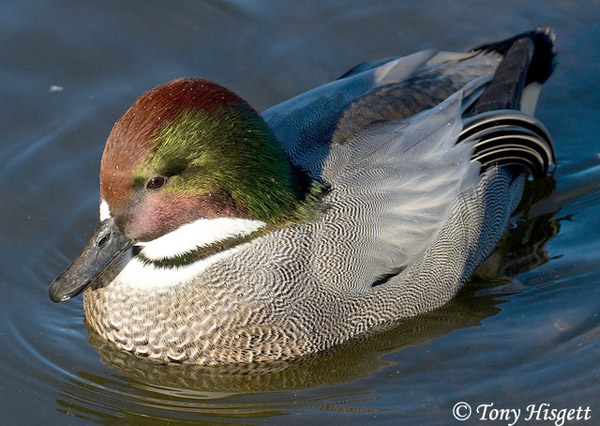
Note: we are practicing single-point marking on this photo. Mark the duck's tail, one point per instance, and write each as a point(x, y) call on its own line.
point(501, 120)
point(528, 61)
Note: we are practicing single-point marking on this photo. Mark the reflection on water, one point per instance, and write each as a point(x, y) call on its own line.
point(205, 390)
point(523, 248)
point(349, 362)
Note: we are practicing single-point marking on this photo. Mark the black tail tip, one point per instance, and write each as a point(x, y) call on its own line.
point(543, 60)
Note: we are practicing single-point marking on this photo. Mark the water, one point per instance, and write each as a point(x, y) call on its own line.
point(525, 331)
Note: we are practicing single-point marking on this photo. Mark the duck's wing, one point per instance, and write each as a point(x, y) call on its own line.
point(309, 124)
point(393, 186)
point(399, 177)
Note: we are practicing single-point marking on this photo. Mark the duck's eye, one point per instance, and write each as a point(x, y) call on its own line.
point(156, 182)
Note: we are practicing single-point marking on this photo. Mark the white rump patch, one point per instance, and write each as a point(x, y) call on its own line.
point(104, 210)
point(200, 233)
point(530, 96)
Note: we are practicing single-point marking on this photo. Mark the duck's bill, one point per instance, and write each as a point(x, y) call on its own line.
point(105, 247)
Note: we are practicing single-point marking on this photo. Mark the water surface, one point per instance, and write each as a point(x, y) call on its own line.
point(525, 331)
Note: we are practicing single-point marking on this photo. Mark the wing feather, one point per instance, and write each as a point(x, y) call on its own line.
point(392, 189)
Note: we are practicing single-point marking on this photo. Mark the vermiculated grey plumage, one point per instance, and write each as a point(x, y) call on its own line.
point(407, 219)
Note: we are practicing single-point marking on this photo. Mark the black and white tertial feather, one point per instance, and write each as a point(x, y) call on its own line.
point(509, 137)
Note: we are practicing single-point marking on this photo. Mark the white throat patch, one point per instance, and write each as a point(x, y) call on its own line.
point(200, 233)
point(186, 238)
point(141, 275)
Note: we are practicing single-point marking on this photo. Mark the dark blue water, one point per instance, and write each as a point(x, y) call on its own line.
point(525, 331)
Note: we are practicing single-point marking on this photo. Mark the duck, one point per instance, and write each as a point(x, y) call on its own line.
point(226, 236)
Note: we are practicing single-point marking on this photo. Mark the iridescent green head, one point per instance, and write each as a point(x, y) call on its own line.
point(192, 149)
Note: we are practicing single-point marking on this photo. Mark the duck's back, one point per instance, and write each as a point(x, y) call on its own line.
point(407, 203)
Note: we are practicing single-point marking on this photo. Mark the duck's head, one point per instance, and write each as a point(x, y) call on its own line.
point(189, 164)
